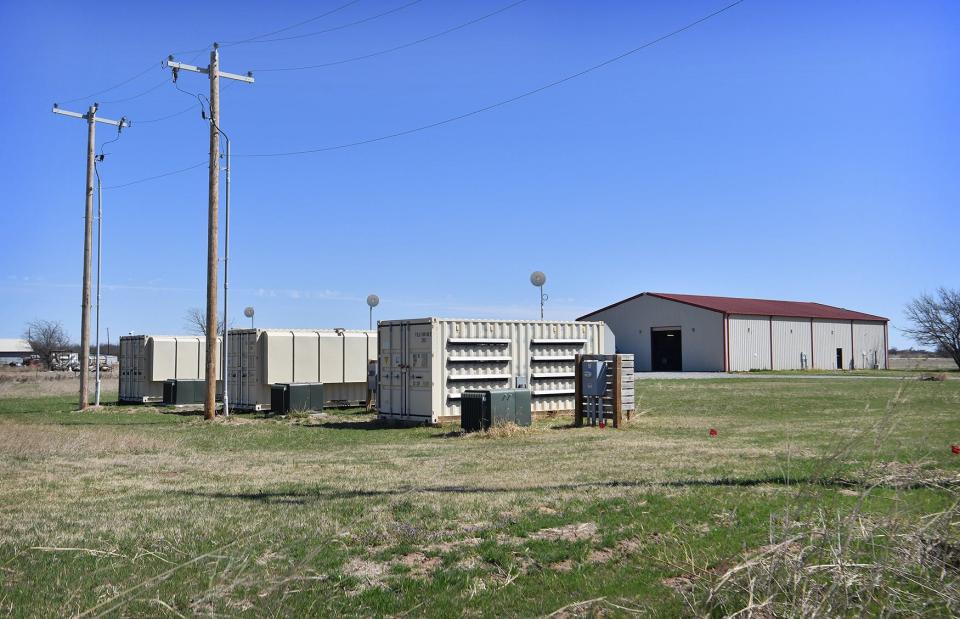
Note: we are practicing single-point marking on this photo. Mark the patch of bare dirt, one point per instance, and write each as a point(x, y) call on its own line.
point(369, 573)
point(567, 533)
point(681, 584)
point(420, 565)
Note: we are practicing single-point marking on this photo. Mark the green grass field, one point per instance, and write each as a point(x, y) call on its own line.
point(828, 497)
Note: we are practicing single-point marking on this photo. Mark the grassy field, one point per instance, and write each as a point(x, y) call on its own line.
point(815, 497)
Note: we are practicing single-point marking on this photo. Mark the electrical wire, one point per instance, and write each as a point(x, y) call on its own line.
point(340, 27)
point(232, 43)
point(397, 47)
point(181, 112)
point(163, 175)
point(498, 104)
point(137, 96)
point(471, 113)
point(114, 87)
point(291, 27)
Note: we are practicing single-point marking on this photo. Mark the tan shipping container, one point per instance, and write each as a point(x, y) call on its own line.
point(259, 358)
point(427, 363)
point(146, 361)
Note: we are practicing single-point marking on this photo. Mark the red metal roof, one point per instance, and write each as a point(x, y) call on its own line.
point(757, 307)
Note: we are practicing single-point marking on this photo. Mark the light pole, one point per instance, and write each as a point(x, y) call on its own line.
point(248, 312)
point(538, 279)
point(96, 391)
point(373, 301)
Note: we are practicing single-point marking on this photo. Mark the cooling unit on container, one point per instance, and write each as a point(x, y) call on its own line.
point(427, 364)
point(261, 358)
point(148, 361)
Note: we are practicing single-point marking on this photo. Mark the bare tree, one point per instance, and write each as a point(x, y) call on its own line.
point(46, 336)
point(195, 321)
point(936, 321)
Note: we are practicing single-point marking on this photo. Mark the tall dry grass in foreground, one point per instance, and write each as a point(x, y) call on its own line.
point(835, 564)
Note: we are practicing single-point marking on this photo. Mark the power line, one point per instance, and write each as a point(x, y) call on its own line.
point(199, 50)
point(163, 175)
point(505, 101)
point(398, 47)
point(175, 114)
point(136, 96)
point(114, 87)
point(467, 114)
point(290, 27)
point(340, 27)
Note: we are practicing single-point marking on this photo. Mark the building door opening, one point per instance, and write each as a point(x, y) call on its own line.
point(666, 351)
point(839, 358)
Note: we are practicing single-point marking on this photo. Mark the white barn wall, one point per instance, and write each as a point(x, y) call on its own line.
point(828, 336)
point(869, 338)
point(791, 338)
point(701, 336)
point(749, 340)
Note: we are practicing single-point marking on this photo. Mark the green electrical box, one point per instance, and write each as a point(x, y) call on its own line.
point(184, 391)
point(481, 409)
point(288, 397)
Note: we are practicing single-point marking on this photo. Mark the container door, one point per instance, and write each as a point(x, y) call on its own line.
point(391, 358)
point(418, 371)
point(249, 368)
point(124, 369)
point(139, 354)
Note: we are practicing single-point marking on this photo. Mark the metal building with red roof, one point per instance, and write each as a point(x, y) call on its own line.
point(688, 332)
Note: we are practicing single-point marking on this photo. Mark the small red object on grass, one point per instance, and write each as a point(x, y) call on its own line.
point(713, 432)
point(955, 449)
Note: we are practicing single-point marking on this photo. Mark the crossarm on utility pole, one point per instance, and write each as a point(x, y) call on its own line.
point(173, 64)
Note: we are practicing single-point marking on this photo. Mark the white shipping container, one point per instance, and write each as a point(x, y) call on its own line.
point(146, 361)
point(259, 358)
point(426, 364)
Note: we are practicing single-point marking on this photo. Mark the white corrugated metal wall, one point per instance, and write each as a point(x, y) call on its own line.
point(829, 336)
point(749, 342)
point(870, 344)
point(702, 331)
point(791, 343)
point(765, 342)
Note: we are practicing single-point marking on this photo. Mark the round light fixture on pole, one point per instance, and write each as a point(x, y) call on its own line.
point(538, 279)
point(373, 301)
point(249, 313)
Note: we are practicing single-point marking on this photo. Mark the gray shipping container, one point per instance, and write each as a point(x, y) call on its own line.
point(427, 363)
point(259, 358)
point(146, 361)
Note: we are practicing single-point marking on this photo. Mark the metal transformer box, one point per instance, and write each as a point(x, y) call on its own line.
point(288, 397)
point(184, 391)
point(481, 409)
point(594, 377)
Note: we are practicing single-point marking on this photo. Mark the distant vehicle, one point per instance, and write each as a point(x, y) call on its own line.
point(31, 361)
point(63, 361)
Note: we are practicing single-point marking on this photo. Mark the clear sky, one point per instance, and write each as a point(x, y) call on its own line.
point(803, 151)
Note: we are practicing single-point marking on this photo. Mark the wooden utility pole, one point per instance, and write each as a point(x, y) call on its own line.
point(213, 215)
point(92, 120)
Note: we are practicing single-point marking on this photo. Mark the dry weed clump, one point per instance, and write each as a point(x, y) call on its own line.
point(502, 430)
point(841, 566)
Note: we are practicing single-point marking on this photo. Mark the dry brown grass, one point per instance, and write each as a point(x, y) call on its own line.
point(39, 442)
point(32, 382)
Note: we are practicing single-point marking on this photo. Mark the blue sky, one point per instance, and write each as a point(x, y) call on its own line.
point(801, 151)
